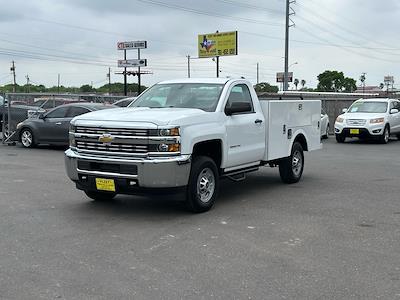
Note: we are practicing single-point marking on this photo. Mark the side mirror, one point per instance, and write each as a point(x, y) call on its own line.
point(237, 107)
point(394, 111)
point(344, 110)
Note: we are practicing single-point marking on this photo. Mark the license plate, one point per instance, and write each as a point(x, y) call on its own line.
point(103, 184)
point(354, 131)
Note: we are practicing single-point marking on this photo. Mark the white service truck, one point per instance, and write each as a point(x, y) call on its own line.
point(188, 134)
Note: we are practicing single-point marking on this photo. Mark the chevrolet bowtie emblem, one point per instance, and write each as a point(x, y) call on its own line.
point(106, 138)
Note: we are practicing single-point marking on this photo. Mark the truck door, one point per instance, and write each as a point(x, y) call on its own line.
point(245, 130)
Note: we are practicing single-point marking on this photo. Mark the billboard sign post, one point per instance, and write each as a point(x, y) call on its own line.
point(127, 63)
point(132, 45)
point(214, 45)
point(280, 77)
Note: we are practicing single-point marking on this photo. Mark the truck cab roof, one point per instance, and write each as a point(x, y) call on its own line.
point(200, 80)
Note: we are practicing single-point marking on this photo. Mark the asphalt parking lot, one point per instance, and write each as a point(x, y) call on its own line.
point(334, 235)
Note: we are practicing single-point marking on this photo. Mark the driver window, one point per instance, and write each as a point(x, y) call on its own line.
point(58, 112)
point(240, 93)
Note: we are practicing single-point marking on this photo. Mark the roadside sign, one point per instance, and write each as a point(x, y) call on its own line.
point(388, 79)
point(280, 77)
point(126, 63)
point(217, 44)
point(132, 45)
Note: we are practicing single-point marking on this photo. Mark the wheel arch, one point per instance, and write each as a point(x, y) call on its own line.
point(210, 148)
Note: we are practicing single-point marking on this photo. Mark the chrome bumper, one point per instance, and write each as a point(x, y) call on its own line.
point(151, 173)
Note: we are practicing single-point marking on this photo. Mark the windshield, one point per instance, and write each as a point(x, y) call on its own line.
point(183, 95)
point(368, 107)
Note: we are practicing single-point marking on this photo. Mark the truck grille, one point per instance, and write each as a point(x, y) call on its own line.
point(356, 122)
point(112, 131)
point(111, 147)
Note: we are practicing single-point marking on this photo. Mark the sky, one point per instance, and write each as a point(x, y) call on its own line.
point(77, 39)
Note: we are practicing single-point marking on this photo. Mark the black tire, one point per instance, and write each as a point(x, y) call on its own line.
point(340, 138)
point(202, 190)
point(100, 196)
point(327, 132)
point(26, 138)
point(384, 138)
point(291, 168)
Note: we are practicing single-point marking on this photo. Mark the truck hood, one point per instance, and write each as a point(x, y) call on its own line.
point(157, 116)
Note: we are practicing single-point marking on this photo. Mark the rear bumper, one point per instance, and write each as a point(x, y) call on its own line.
point(168, 172)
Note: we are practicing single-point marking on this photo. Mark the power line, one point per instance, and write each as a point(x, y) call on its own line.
point(346, 49)
point(255, 7)
point(315, 25)
point(205, 13)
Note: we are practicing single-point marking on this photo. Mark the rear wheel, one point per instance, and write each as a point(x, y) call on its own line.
point(384, 138)
point(291, 168)
point(26, 138)
point(340, 138)
point(203, 184)
point(100, 196)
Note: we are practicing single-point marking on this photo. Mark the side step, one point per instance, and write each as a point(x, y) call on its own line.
point(239, 175)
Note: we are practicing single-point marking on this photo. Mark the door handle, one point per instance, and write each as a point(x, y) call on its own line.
point(258, 121)
point(58, 123)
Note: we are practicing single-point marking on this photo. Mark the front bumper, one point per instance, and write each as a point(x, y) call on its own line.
point(168, 172)
point(370, 131)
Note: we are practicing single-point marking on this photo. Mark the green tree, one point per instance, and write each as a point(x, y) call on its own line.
point(265, 87)
point(303, 83)
point(86, 88)
point(296, 83)
point(334, 81)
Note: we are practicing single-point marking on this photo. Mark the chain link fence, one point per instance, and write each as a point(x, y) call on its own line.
point(17, 107)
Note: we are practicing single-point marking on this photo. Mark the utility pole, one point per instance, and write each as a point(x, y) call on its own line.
point(125, 81)
point(217, 66)
point(289, 12)
point(188, 66)
point(12, 69)
point(27, 83)
point(258, 73)
point(109, 80)
point(139, 83)
point(58, 83)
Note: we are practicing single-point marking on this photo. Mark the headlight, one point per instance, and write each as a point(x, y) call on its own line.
point(19, 125)
point(71, 128)
point(169, 132)
point(169, 147)
point(377, 121)
point(339, 120)
point(72, 141)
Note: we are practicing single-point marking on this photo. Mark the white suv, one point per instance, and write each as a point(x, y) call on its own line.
point(366, 118)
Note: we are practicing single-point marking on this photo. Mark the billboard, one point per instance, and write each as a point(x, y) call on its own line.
point(280, 76)
point(217, 44)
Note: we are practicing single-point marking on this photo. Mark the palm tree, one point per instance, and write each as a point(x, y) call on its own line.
point(296, 83)
point(303, 83)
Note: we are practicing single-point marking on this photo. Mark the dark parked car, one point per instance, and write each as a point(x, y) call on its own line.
point(125, 102)
point(52, 127)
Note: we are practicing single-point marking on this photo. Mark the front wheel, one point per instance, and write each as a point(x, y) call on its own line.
point(340, 138)
point(26, 138)
point(384, 138)
point(326, 136)
point(291, 168)
point(203, 184)
point(100, 196)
